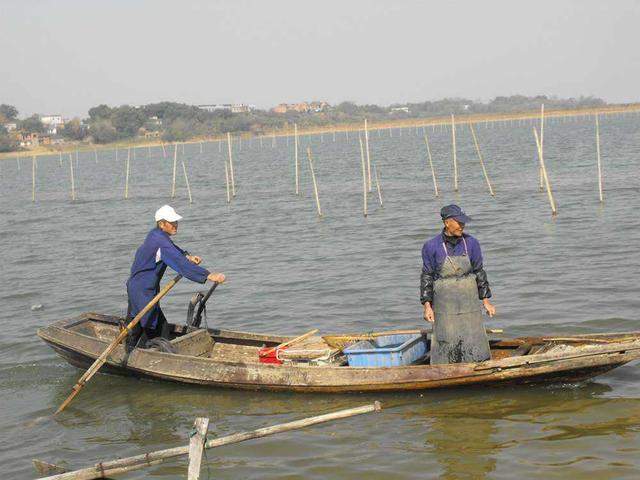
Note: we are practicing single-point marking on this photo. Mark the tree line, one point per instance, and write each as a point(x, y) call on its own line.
point(173, 121)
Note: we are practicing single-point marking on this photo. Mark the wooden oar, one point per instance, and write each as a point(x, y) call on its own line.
point(102, 359)
point(290, 342)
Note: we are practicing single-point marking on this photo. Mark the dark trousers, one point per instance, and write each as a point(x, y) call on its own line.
point(139, 335)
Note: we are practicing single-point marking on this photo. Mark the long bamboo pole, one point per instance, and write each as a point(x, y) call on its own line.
point(364, 177)
point(233, 181)
point(127, 169)
point(297, 167)
point(541, 174)
point(175, 167)
point(164, 152)
point(33, 178)
point(453, 147)
point(484, 170)
point(73, 182)
point(186, 179)
point(600, 191)
point(315, 184)
point(433, 172)
point(226, 177)
point(552, 201)
point(366, 143)
point(378, 185)
point(102, 359)
point(95, 152)
point(124, 465)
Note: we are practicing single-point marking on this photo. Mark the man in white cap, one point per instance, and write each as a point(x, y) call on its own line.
point(151, 260)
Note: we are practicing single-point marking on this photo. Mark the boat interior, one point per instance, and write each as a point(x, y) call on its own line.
point(243, 347)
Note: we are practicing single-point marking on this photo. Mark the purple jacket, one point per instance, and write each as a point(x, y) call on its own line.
point(433, 256)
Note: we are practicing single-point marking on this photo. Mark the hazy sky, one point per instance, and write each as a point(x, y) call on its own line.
point(65, 56)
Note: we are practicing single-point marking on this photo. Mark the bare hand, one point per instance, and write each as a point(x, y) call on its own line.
point(491, 310)
point(194, 259)
point(216, 277)
point(428, 313)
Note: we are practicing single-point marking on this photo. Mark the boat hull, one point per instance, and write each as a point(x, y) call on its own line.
point(81, 350)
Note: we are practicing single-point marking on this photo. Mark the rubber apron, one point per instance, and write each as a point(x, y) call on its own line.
point(459, 335)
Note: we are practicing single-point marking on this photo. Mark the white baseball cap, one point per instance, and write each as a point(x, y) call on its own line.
point(167, 213)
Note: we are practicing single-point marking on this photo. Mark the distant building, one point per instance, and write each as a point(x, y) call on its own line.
point(399, 109)
point(228, 107)
point(302, 107)
point(10, 127)
point(52, 122)
point(33, 140)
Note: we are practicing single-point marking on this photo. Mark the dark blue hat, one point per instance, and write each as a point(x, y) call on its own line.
point(455, 212)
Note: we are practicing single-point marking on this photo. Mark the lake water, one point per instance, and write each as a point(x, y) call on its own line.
point(290, 271)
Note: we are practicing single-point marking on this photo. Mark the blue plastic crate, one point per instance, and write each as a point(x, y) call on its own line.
point(387, 351)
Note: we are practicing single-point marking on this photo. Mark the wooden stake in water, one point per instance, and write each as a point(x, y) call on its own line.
point(175, 167)
point(453, 147)
point(186, 179)
point(315, 184)
point(164, 152)
point(60, 158)
point(366, 144)
point(73, 182)
point(33, 178)
point(226, 177)
point(541, 175)
point(200, 146)
point(126, 176)
point(484, 170)
point(364, 177)
point(552, 202)
point(600, 192)
point(378, 185)
point(95, 152)
point(297, 168)
point(433, 172)
point(233, 181)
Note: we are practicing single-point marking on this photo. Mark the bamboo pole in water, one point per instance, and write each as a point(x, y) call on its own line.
point(200, 146)
point(453, 147)
point(164, 152)
point(600, 192)
point(541, 175)
point(126, 177)
point(297, 168)
point(364, 177)
point(60, 158)
point(315, 184)
point(95, 152)
point(186, 179)
point(433, 172)
point(73, 182)
point(552, 201)
point(33, 178)
point(366, 144)
point(226, 176)
point(196, 447)
point(378, 185)
point(137, 462)
point(484, 170)
point(233, 180)
point(175, 167)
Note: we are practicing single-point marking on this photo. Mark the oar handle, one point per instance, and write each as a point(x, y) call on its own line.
point(102, 359)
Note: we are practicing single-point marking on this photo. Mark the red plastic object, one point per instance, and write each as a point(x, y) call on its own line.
point(270, 357)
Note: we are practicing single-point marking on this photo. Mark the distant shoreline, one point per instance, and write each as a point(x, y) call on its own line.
point(68, 148)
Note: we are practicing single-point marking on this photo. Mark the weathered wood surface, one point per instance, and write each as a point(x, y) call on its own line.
point(233, 362)
point(124, 465)
point(196, 447)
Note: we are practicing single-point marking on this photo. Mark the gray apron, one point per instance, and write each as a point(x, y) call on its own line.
point(459, 335)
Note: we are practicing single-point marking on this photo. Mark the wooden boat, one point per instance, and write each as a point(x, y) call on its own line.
point(220, 358)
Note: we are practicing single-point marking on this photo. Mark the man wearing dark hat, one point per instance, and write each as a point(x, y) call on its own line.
point(452, 281)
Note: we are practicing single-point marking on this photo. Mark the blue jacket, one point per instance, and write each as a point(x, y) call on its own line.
point(151, 260)
point(433, 256)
